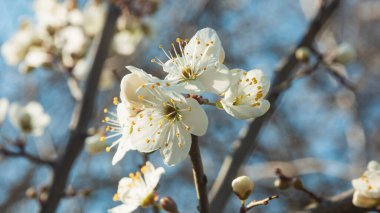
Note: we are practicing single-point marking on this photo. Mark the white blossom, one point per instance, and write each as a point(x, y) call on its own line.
point(367, 187)
point(36, 57)
point(164, 120)
point(30, 119)
point(93, 18)
point(242, 186)
point(198, 67)
point(72, 41)
point(245, 98)
point(4, 105)
point(126, 41)
point(16, 47)
point(137, 189)
point(50, 14)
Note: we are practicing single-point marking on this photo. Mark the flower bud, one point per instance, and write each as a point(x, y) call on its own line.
point(94, 144)
point(373, 166)
point(31, 192)
point(345, 54)
point(303, 54)
point(242, 186)
point(364, 202)
point(281, 184)
point(169, 205)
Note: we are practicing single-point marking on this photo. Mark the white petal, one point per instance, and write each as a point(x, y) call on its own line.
point(152, 175)
point(124, 146)
point(205, 36)
point(175, 149)
point(4, 104)
point(14, 112)
point(124, 208)
point(147, 134)
point(216, 80)
point(129, 84)
point(373, 166)
point(196, 119)
point(246, 111)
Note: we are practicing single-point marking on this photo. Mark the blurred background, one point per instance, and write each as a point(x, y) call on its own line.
point(322, 131)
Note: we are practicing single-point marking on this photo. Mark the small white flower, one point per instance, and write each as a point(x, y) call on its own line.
point(368, 185)
point(94, 16)
point(16, 47)
point(73, 43)
point(126, 41)
point(50, 14)
point(245, 98)
point(30, 119)
point(137, 189)
point(242, 186)
point(198, 67)
point(4, 104)
point(164, 120)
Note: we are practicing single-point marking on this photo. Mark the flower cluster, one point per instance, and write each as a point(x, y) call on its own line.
point(367, 187)
point(157, 114)
point(62, 36)
point(138, 189)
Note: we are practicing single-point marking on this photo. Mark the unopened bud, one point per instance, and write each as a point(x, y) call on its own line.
point(297, 183)
point(169, 205)
point(242, 186)
point(303, 54)
point(44, 196)
point(345, 54)
point(281, 184)
point(31, 192)
point(364, 202)
point(94, 145)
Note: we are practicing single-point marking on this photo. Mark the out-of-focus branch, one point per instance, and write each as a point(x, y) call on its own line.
point(338, 203)
point(200, 179)
point(244, 145)
point(16, 192)
point(21, 153)
point(298, 167)
point(83, 116)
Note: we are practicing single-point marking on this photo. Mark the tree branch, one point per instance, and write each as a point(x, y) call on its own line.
point(339, 203)
point(85, 112)
point(200, 179)
point(244, 145)
point(23, 154)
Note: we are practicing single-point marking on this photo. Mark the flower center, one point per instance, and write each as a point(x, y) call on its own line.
point(171, 112)
point(26, 123)
point(188, 73)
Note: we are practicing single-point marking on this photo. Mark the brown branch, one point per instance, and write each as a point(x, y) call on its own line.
point(200, 179)
point(85, 113)
point(339, 203)
point(21, 153)
point(244, 145)
point(262, 202)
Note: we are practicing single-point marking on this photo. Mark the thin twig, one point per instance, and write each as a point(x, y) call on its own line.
point(262, 202)
point(85, 113)
point(23, 154)
point(245, 144)
point(200, 179)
